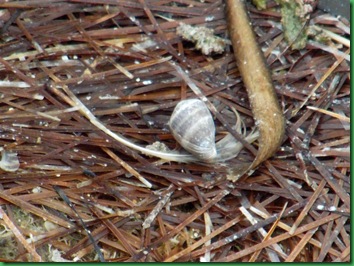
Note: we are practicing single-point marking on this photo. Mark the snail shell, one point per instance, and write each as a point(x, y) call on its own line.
point(193, 127)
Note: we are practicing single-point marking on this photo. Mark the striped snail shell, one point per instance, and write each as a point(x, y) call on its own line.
point(193, 127)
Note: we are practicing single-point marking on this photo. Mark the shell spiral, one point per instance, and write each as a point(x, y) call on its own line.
point(192, 125)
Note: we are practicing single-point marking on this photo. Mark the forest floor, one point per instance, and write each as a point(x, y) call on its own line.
point(71, 192)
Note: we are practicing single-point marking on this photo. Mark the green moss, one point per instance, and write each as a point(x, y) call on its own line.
point(260, 4)
point(294, 23)
point(31, 224)
point(28, 221)
point(8, 246)
point(318, 35)
point(25, 220)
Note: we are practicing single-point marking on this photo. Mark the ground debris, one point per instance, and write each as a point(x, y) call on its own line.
point(73, 192)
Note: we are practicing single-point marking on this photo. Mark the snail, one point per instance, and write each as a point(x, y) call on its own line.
point(192, 125)
point(9, 161)
point(201, 148)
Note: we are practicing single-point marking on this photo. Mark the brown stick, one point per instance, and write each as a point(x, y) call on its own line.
point(264, 103)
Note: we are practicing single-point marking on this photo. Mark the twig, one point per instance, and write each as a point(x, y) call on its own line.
point(319, 83)
point(158, 207)
point(301, 245)
point(308, 206)
point(279, 238)
point(333, 114)
point(127, 167)
point(272, 255)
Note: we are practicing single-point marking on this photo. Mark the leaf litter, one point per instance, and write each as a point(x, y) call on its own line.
point(70, 192)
